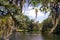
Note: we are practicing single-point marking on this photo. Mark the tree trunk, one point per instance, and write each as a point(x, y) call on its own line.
point(54, 25)
point(21, 5)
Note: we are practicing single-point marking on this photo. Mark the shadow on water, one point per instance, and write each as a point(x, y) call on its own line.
point(50, 36)
point(33, 36)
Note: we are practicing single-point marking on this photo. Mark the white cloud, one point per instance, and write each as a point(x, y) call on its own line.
point(30, 7)
point(40, 14)
point(31, 13)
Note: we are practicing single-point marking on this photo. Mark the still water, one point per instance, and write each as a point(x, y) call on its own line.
point(34, 36)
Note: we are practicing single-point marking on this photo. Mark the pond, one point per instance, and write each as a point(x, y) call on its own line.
point(33, 36)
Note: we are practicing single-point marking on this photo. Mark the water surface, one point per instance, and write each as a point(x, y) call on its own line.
point(33, 36)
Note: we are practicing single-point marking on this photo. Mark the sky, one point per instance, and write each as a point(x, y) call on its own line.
point(27, 10)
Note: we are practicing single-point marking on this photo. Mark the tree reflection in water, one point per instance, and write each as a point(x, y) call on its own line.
point(29, 36)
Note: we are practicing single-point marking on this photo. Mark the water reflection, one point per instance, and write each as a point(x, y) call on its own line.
point(51, 36)
point(29, 36)
point(26, 36)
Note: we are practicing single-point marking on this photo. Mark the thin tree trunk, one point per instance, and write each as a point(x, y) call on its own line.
point(21, 5)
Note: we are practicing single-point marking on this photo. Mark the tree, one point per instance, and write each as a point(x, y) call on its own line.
point(51, 5)
point(11, 10)
point(46, 25)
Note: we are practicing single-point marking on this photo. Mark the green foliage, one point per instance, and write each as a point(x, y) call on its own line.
point(7, 21)
point(35, 2)
point(47, 25)
point(17, 19)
